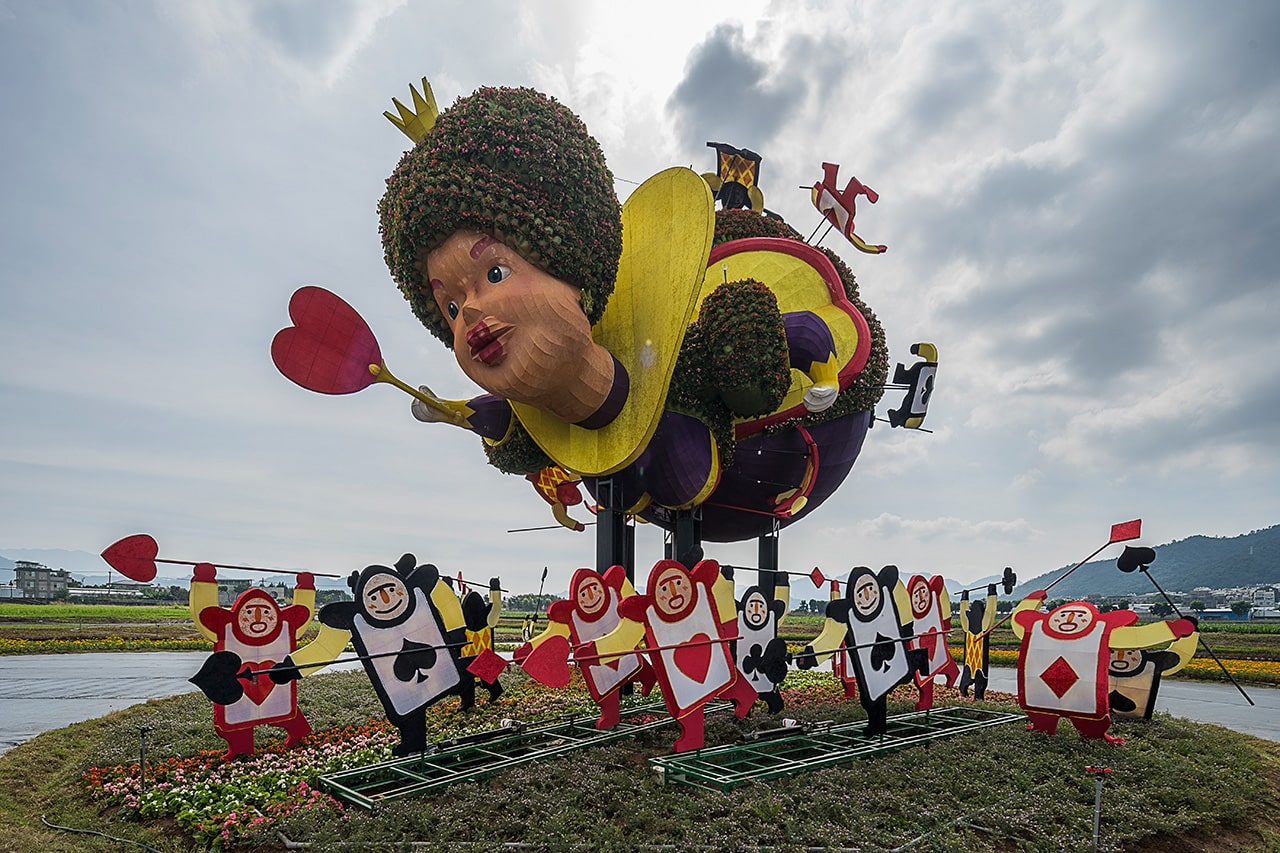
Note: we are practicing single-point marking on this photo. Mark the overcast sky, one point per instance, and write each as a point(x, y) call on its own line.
point(1081, 202)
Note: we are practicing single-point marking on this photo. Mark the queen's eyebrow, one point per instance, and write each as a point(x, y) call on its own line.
point(480, 245)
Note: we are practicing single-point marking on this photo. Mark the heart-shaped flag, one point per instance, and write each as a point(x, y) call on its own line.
point(259, 687)
point(134, 557)
point(329, 347)
point(549, 663)
point(694, 658)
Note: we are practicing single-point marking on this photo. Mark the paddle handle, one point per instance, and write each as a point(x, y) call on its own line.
point(248, 568)
point(381, 374)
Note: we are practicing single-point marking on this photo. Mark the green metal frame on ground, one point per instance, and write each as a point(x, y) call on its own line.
point(817, 745)
point(477, 757)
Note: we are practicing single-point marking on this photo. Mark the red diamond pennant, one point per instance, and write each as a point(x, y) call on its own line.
point(817, 577)
point(1059, 677)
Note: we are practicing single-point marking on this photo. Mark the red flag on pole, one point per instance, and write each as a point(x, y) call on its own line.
point(1126, 531)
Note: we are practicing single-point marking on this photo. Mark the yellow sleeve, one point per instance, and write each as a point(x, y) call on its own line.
point(782, 592)
point(1031, 602)
point(620, 640)
point(944, 604)
point(327, 645)
point(1141, 636)
point(305, 598)
point(448, 606)
point(902, 601)
point(1185, 649)
point(495, 612)
point(203, 594)
point(830, 640)
point(725, 600)
point(963, 606)
point(553, 629)
point(989, 614)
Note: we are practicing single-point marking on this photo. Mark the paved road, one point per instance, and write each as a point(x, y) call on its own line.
point(42, 692)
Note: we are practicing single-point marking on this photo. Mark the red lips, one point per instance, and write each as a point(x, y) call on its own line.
point(485, 340)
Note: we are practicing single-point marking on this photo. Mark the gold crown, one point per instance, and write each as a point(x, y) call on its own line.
point(416, 125)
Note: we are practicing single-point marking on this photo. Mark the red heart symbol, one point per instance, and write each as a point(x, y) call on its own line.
point(258, 688)
point(694, 660)
point(134, 557)
point(549, 663)
point(329, 347)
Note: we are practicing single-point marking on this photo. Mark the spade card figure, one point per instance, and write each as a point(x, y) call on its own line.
point(408, 627)
point(873, 622)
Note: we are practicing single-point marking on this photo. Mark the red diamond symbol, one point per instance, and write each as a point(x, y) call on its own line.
point(816, 576)
point(1059, 677)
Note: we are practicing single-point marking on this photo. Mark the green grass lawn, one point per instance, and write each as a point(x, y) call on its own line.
point(1176, 786)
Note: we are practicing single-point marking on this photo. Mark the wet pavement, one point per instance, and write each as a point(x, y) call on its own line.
point(43, 692)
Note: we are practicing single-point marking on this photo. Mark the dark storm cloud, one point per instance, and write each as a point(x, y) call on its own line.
point(730, 95)
point(1172, 211)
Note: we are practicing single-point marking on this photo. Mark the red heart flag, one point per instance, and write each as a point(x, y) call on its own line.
point(134, 557)
point(549, 663)
point(694, 658)
point(329, 347)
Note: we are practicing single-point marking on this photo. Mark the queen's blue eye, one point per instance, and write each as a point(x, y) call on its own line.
point(453, 310)
point(497, 273)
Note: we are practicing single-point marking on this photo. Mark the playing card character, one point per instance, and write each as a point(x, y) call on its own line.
point(408, 627)
point(873, 622)
point(686, 620)
point(760, 653)
point(1062, 662)
point(254, 635)
point(1133, 675)
point(589, 613)
point(477, 611)
point(977, 618)
point(931, 622)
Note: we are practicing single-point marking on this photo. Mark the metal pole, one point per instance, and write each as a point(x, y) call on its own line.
point(1221, 665)
point(1098, 774)
point(142, 760)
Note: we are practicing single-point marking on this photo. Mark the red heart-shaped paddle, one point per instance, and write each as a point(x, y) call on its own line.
point(134, 557)
point(329, 347)
point(549, 663)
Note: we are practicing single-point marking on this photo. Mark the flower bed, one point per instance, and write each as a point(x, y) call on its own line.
point(9, 646)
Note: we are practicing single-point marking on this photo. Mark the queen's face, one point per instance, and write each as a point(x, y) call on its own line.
point(518, 332)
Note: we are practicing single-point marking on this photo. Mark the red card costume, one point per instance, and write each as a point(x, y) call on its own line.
point(931, 612)
point(686, 620)
point(262, 634)
point(590, 612)
point(1062, 665)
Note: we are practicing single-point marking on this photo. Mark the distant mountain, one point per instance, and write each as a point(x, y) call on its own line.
point(1252, 559)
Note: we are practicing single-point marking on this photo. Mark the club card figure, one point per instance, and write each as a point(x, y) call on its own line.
point(408, 628)
point(1134, 675)
point(1062, 663)
point(931, 615)
point(485, 614)
point(761, 654)
point(686, 620)
point(874, 623)
point(590, 612)
point(257, 633)
point(977, 618)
